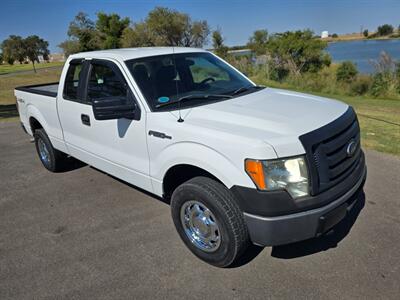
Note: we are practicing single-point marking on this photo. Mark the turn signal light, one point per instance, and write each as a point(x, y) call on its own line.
point(255, 170)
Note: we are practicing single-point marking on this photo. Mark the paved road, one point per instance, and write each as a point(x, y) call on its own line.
point(83, 234)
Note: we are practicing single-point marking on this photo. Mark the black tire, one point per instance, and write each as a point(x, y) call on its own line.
point(56, 159)
point(220, 201)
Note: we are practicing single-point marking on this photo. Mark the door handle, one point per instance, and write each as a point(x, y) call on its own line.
point(85, 120)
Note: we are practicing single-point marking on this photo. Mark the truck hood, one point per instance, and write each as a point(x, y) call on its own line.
point(277, 117)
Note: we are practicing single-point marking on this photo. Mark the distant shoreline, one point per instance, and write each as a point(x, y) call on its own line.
point(350, 38)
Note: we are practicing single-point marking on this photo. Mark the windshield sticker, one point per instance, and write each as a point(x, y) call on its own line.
point(163, 99)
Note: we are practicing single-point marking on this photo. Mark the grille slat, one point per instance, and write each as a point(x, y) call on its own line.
point(326, 151)
point(344, 165)
point(342, 138)
point(340, 155)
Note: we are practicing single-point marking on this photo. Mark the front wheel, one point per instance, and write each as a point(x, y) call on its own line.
point(209, 221)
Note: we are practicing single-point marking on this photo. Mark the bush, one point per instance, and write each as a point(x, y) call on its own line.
point(380, 85)
point(242, 63)
point(361, 85)
point(346, 72)
point(334, 35)
point(298, 51)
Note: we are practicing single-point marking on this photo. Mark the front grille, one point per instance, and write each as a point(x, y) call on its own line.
point(327, 151)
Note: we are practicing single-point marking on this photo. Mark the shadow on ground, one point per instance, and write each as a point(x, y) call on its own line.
point(72, 164)
point(8, 111)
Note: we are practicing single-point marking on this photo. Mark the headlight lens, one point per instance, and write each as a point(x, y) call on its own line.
point(290, 174)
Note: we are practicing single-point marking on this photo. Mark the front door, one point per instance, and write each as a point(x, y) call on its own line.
point(117, 146)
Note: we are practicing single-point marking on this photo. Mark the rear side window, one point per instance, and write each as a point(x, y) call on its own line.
point(72, 81)
point(104, 82)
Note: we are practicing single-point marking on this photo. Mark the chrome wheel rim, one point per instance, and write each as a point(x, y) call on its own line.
point(200, 226)
point(43, 152)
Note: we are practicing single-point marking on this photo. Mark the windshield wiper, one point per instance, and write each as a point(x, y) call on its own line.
point(246, 88)
point(194, 97)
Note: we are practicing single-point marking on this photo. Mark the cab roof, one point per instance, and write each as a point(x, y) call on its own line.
point(132, 53)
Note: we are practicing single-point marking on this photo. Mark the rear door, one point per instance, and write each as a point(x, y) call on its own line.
point(117, 146)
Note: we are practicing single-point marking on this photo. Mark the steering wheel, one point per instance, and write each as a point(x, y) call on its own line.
point(207, 80)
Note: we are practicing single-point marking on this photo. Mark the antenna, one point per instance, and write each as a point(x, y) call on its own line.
point(180, 120)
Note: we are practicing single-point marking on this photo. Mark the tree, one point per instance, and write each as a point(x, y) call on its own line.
point(258, 42)
point(365, 33)
point(7, 53)
point(335, 35)
point(166, 27)
point(196, 34)
point(173, 28)
point(346, 72)
point(385, 29)
point(81, 30)
point(218, 44)
point(1, 58)
point(138, 35)
point(70, 47)
point(298, 51)
point(110, 28)
point(35, 47)
point(13, 49)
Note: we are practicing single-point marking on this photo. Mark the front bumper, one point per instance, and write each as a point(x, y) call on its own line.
point(307, 222)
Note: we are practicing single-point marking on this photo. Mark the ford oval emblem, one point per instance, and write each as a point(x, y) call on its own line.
point(351, 148)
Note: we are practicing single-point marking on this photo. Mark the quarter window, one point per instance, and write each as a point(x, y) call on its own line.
point(72, 80)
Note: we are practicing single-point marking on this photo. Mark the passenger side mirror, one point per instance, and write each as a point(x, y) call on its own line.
point(110, 108)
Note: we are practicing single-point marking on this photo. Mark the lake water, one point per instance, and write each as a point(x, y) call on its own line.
point(362, 52)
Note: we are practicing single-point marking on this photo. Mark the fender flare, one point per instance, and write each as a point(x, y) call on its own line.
point(201, 156)
point(33, 112)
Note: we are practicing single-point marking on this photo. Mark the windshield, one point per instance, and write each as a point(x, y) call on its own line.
point(167, 78)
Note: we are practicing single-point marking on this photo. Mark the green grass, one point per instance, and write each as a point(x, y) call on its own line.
point(379, 118)
point(8, 83)
point(5, 69)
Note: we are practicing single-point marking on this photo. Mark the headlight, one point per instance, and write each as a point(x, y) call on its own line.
point(290, 174)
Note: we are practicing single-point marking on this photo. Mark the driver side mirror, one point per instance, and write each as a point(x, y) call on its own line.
point(116, 108)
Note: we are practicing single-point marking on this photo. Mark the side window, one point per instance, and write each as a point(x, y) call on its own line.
point(72, 81)
point(202, 69)
point(104, 82)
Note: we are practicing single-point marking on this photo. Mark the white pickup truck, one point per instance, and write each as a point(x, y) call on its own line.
point(239, 163)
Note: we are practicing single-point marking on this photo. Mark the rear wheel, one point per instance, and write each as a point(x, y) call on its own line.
point(209, 221)
point(52, 159)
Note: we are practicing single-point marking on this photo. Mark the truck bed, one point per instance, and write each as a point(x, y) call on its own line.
point(40, 100)
point(47, 89)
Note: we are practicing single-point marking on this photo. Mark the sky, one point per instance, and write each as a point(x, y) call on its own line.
point(236, 19)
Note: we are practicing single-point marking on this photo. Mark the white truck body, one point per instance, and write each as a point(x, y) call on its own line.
point(217, 137)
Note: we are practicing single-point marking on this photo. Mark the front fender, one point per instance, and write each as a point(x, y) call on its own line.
point(201, 156)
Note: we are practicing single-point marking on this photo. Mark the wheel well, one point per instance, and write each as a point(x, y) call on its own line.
point(34, 124)
point(179, 174)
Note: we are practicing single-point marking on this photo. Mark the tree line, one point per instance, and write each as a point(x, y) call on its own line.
point(16, 48)
point(294, 52)
point(294, 58)
point(161, 27)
